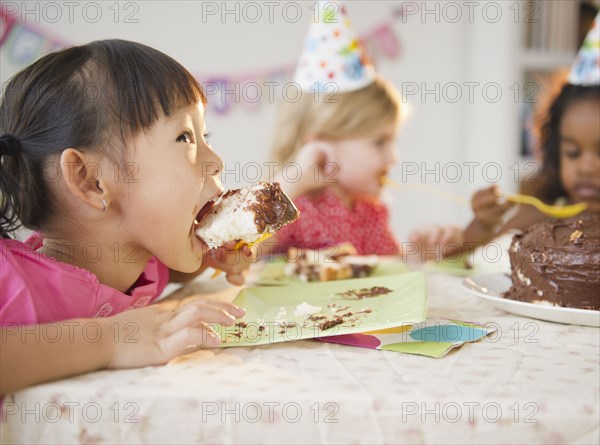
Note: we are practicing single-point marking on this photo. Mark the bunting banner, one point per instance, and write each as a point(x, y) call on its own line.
point(22, 43)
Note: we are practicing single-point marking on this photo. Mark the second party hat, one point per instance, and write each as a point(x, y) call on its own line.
point(586, 68)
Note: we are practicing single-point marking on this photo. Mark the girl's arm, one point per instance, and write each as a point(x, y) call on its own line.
point(488, 216)
point(526, 216)
point(82, 346)
point(146, 336)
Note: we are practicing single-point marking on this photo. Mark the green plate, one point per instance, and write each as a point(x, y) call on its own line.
point(265, 306)
point(272, 274)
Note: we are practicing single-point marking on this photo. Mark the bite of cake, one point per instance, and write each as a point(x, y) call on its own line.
point(248, 215)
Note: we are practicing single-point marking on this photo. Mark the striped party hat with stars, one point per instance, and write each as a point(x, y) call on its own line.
point(333, 60)
point(586, 68)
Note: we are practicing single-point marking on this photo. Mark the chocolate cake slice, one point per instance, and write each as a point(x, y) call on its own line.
point(248, 215)
point(558, 263)
point(334, 263)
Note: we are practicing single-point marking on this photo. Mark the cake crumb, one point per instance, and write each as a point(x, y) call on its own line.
point(328, 324)
point(574, 238)
point(316, 317)
point(359, 294)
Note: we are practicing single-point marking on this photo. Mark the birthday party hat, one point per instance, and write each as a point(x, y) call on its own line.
point(586, 68)
point(332, 53)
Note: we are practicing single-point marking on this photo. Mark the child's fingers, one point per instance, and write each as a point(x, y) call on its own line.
point(250, 252)
point(423, 233)
point(444, 236)
point(483, 200)
point(492, 215)
point(436, 236)
point(497, 211)
point(183, 338)
point(230, 245)
point(237, 279)
point(230, 308)
point(193, 314)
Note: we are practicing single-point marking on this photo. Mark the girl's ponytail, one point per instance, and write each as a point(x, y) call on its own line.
point(10, 148)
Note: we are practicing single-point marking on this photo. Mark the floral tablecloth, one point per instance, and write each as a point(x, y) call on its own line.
point(531, 382)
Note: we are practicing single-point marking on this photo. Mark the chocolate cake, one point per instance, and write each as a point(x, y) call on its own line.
point(248, 215)
point(558, 263)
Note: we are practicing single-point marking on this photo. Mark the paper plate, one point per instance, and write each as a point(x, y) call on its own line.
point(490, 287)
point(273, 307)
point(272, 274)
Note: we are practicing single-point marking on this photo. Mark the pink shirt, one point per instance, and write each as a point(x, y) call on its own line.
point(325, 221)
point(38, 289)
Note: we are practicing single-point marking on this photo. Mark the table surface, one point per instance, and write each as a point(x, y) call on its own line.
point(532, 382)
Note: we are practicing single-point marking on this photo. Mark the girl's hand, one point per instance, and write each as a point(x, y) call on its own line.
point(434, 242)
point(316, 167)
point(155, 334)
point(235, 263)
point(487, 207)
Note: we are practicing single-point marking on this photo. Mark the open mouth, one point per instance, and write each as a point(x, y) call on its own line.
point(203, 212)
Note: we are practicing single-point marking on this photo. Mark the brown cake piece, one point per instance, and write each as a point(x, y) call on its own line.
point(558, 263)
point(334, 263)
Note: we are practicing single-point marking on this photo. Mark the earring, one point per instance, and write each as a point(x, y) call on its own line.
point(104, 205)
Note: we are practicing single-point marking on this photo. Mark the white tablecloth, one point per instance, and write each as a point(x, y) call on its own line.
point(534, 382)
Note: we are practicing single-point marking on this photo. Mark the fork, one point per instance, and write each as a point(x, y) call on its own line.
point(550, 210)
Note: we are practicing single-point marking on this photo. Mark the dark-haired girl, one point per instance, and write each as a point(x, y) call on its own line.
point(103, 154)
point(570, 137)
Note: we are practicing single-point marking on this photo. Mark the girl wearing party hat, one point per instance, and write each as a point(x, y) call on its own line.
point(570, 141)
point(342, 135)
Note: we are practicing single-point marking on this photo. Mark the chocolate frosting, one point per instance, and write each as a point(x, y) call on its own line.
point(558, 263)
point(272, 209)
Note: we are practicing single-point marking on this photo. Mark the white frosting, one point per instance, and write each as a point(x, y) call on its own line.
point(228, 220)
point(304, 309)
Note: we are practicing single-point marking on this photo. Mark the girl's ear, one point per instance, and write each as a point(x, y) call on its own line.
point(82, 176)
point(330, 152)
point(328, 149)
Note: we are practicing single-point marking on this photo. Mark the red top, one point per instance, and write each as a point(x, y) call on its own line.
point(325, 221)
